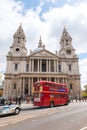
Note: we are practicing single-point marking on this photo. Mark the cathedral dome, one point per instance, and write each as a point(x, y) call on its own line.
point(40, 47)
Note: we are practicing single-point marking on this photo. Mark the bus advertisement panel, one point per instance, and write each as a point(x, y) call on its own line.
point(46, 93)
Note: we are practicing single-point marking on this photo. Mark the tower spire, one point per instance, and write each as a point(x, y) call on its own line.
point(21, 24)
point(65, 35)
point(40, 44)
point(19, 36)
point(64, 27)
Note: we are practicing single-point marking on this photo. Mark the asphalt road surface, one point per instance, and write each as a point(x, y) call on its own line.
point(70, 117)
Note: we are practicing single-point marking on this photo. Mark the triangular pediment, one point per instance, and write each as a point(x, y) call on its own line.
point(44, 53)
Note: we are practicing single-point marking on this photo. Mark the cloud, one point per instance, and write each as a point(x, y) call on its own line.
point(48, 24)
point(52, 1)
point(83, 71)
point(74, 17)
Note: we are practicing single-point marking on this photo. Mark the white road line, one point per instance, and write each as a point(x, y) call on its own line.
point(17, 121)
point(21, 120)
point(84, 128)
point(3, 125)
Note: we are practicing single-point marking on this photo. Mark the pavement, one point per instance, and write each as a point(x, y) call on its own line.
point(29, 104)
point(26, 105)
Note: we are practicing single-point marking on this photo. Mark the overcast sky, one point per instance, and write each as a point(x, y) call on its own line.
point(46, 18)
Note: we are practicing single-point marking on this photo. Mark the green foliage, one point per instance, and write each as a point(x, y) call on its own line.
point(85, 88)
point(84, 94)
point(0, 76)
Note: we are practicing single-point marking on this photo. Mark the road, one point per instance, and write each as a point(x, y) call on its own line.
point(71, 117)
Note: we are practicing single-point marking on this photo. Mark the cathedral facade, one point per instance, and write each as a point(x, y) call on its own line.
point(22, 70)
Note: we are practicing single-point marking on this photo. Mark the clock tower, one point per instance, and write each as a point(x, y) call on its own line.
point(66, 48)
point(18, 47)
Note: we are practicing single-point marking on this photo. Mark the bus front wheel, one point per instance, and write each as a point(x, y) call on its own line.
point(52, 104)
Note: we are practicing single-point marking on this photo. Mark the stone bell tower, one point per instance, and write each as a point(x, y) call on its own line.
point(66, 48)
point(16, 64)
point(18, 47)
point(69, 63)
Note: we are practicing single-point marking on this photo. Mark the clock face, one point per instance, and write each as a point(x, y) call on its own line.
point(17, 49)
point(68, 51)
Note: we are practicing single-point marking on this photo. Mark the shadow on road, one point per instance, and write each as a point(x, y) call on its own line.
point(38, 108)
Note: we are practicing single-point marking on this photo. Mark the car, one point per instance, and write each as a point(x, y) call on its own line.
point(10, 109)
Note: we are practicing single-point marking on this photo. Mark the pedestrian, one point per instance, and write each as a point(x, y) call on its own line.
point(28, 99)
point(76, 99)
point(19, 100)
point(3, 101)
point(16, 100)
point(11, 100)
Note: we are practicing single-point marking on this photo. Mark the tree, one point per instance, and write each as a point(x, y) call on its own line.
point(84, 92)
point(85, 86)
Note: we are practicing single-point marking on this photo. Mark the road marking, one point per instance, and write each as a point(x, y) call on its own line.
point(3, 125)
point(84, 128)
point(17, 121)
point(21, 119)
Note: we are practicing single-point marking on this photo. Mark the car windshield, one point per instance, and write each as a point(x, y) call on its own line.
point(4, 102)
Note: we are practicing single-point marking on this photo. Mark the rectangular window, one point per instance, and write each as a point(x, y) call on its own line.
point(35, 79)
point(70, 68)
point(66, 42)
point(52, 79)
point(35, 65)
point(70, 86)
point(27, 67)
point(43, 65)
point(16, 67)
point(14, 87)
point(59, 68)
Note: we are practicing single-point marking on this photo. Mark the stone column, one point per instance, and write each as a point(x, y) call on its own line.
point(54, 65)
point(29, 86)
point(38, 66)
point(58, 80)
point(30, 65)
point(40, 79)
point(23, 86)
point(6, 89)
point(57, 66)
point(49, 79)
point(55, 79)
point(47, 65)
point(63, 80)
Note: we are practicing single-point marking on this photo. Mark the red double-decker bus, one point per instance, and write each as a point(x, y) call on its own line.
point(46, 93)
